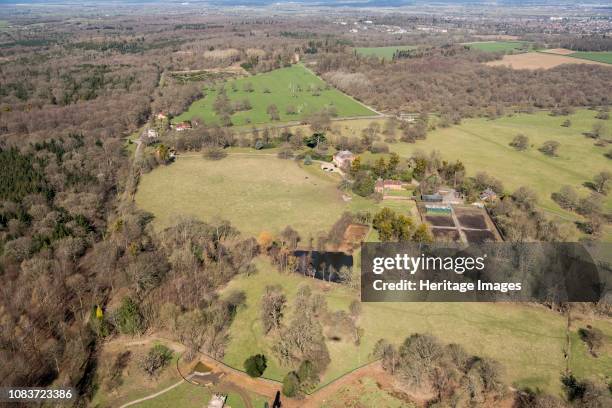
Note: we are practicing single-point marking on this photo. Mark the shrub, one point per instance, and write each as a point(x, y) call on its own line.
point(550, 147)
point(520, 142)
point(379, 147)
point(592, 337)
point(285, 153)
point(364, 184)
point(128, 317)
point(255, 365)
point(291, 385)
point(307, 375)
point(567, 198)
point(214, 153)
point(157, 358)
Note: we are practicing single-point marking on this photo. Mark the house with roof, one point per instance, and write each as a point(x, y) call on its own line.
point(488, 195)
point(448, 196)
point(179, 127)
point(385, 185)
point(343, 158)
point(161, 116)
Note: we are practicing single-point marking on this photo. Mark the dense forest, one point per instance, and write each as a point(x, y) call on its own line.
point(459, 86)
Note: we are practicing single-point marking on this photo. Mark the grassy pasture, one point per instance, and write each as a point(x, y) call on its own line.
point(382, 52)
point(255, 193)
point(483, 145)
point(605, 57)
point(500, 46)
point(294, 86)
point(527, 340)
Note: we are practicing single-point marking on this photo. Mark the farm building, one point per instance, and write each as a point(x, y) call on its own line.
point(343, 158)
point(382, 185)
point(488, 195)
point(431, 198)
point(179, 127)
point(437, 209)
point(407, 117)
point(450, 196)
point(150, 136)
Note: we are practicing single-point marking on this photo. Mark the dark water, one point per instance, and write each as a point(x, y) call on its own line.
point(323, 265)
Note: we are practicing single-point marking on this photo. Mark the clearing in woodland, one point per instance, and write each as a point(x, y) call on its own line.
point(540, 60)
point(295, 91)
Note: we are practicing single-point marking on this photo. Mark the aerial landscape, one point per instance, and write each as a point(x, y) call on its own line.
point(188, 192)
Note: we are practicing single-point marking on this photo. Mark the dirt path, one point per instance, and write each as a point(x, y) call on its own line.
point(157, 394)
point(320, 397)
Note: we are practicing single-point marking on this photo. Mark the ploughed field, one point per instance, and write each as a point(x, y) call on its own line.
point(293, 87)
point(547, 60)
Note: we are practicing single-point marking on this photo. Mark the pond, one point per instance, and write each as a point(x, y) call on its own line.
point(323, 265)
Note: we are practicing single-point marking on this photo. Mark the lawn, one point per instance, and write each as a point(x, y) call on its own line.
point(605, 56)
point(382, 52)
point(527, 340)
point(500, 46)
point(295, 86)
point(187, 395)
point(254, 192)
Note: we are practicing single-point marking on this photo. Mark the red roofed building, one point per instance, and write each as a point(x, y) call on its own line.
point(179, 127)
point(382, 185)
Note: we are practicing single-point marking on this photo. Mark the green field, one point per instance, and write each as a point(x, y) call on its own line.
point(482, 145)
point(500, 46)
point(254, 192)
point(382, 52)
point(605, 56)
point(296, 86)
point(188, 395)
point(527, 340)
